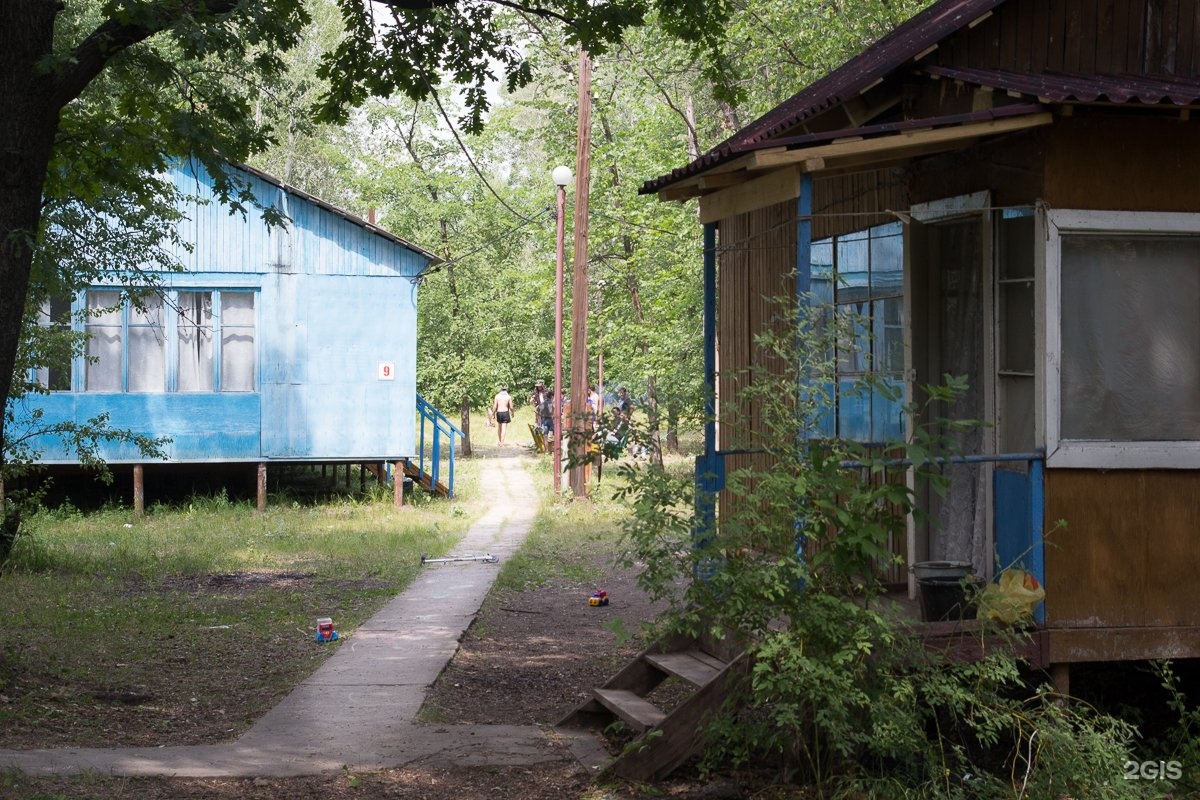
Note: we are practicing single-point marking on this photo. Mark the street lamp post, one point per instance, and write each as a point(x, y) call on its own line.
point(561, 177)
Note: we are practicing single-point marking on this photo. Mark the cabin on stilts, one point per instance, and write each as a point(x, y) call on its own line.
point(1005, 190)
point(274, 345)
point(999, 190)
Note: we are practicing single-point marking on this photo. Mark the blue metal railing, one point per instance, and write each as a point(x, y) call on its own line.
point(439, 427)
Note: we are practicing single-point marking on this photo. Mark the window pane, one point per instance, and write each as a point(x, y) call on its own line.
point(1016, 315)
point(854, 410)
point(56, 313)
point(853, 274)
point(103, 372)
point(887, 260)
point(147, 346)
point(887, 321)
point(887, 409)
point(821, 263)
point(195, 325)
point(1131, 338)
point(237, 342)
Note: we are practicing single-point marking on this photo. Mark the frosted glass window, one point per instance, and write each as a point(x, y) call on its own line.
point(1130, 322)
point(237, 342)
point(104, 344)
point(194, 324)
point(147, 346)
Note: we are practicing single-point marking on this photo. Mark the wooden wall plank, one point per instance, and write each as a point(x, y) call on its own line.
point(1186, 53)
point(1072, 37)
point(1105, 34)
point(1056, 35)
point(1119, 39)
point(1017, 49)
point(1087, 35)
point(1127, 557)
point(1170, 38)
point(1135, 54)
point(1040, 34)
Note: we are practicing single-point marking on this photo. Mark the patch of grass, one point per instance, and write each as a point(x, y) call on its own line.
point(187, 624)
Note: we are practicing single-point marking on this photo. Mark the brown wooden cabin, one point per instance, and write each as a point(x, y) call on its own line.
point(1008, 190)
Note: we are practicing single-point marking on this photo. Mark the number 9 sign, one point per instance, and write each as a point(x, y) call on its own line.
point(387, 371)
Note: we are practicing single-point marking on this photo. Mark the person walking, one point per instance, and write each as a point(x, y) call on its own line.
point(502, 408)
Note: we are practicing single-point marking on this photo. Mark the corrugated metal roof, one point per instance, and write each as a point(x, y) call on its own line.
point(1063, 86)
point(903, 44)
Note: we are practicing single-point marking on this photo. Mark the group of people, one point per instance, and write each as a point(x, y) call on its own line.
point(542, 401)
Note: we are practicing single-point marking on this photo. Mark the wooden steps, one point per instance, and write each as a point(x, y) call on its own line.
point(423, 480)
point(665, 737)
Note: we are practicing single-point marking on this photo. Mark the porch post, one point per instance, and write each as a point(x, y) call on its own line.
point(803, 299)
point(261, 492)
point(709, 477)
point(139, 490)
point(1037, 519)
point(398, 484)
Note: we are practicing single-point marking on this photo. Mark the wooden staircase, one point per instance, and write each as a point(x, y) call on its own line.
point(666, 734)
point(424, 479)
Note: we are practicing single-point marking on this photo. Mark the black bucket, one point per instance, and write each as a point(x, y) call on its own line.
point(947, 598)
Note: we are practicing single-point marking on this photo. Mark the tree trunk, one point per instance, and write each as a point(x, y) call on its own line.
point(673, 426)
point(654, 417)
point(28, 125)
point(464, 411)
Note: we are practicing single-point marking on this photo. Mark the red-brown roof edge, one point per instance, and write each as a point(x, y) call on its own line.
point(905, 42)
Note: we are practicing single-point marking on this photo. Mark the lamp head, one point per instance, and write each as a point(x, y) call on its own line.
point(561, 176)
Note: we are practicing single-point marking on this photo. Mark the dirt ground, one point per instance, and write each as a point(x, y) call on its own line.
point(529, 658)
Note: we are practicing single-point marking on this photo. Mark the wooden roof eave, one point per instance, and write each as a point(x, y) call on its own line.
point(771, 175)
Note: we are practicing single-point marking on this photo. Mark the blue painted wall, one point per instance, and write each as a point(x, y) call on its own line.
point(333, 301)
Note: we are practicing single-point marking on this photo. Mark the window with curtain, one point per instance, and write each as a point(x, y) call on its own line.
point(237, 341)
point(194, 328)
point(147, 345)
point(860, 277)
point(105, 341)
point(128, 342)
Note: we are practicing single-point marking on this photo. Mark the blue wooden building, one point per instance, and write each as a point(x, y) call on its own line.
point(274, 344)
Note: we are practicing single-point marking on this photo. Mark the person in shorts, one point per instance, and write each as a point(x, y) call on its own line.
point(502, 408)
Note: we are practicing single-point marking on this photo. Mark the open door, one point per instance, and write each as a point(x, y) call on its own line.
point(950, 313)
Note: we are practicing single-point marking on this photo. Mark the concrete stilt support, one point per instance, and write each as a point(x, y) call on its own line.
point(139, 490)
point(262, 487)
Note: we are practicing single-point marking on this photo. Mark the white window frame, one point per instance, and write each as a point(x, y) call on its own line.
point(1087, 453)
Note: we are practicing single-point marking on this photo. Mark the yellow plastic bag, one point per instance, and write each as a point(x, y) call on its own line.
point(1012, 598)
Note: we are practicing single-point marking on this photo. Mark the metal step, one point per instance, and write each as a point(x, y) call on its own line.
point(693, 666)
point(638, 713)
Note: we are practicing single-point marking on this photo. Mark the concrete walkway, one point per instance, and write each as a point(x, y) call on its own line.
point(359, 708)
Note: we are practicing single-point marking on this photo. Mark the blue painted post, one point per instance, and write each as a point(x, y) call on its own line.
point(435, 457)
point(450, 484)
point(803, 299)
point(709, 475)
point(1037, 521)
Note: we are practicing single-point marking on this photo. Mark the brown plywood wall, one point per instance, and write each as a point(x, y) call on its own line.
point(1130, 552)
point(1123, 164)
point(1107, 37)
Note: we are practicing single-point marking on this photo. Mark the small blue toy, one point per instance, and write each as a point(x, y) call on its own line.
point(599, 598)
point(325, 631)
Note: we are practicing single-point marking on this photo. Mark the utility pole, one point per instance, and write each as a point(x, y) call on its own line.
point(580, 425)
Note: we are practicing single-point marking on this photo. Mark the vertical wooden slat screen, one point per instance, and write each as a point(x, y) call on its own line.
point(1103, 37)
